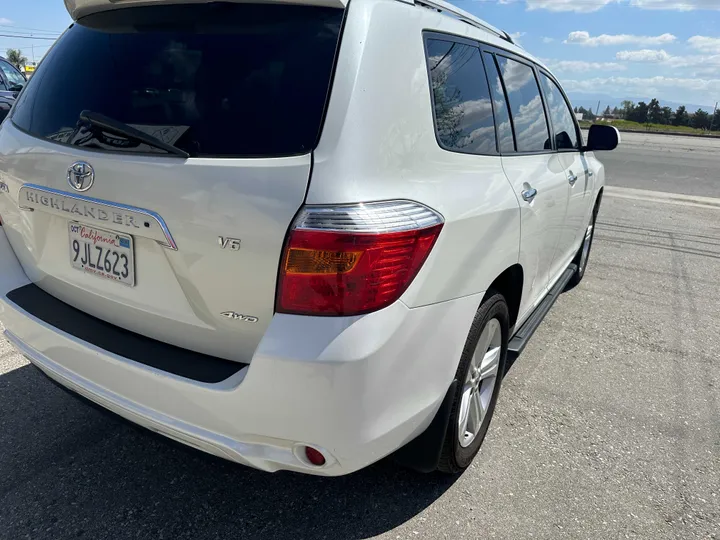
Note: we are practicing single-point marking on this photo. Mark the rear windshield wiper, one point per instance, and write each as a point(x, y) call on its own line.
point(118, 128)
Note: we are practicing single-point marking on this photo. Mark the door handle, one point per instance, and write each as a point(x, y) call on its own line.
point(572, 178)
point(529, 194)
point(589, 173)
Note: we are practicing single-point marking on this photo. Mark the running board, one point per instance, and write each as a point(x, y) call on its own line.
point(522, 336)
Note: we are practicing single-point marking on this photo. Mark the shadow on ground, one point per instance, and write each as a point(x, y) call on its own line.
point(70, 471)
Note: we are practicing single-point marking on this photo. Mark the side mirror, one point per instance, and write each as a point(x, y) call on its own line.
point(16, 87)
point(602, 137)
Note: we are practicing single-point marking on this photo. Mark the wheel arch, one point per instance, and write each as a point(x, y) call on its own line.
point(598, 200)
point(510, 284)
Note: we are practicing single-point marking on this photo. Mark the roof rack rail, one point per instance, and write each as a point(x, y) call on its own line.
point(464, 16)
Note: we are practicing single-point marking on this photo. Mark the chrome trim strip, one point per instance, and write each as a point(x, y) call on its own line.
point(170, 242)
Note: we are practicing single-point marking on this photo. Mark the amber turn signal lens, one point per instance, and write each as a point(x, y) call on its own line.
point(313, 261)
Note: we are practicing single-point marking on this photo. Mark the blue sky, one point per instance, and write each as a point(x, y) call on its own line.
point(668, 49)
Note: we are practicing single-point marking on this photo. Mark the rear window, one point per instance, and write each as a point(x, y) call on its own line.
point(461, 98)
point(215, 80)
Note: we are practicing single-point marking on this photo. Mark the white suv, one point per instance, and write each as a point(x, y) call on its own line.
point(299, 236)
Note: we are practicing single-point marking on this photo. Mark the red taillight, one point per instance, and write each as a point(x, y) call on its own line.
point(331, 272)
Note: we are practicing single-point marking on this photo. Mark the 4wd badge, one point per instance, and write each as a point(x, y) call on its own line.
point(239, 317)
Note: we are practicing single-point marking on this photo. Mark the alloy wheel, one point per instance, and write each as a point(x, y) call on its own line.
point(480, 383)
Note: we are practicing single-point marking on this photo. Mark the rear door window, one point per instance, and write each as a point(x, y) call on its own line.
point(216, 79)
point(461, 98)
point(502, 116)
point(563, 119)
point(532, 132)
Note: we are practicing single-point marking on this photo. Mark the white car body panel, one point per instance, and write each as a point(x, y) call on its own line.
point(389, 368)
point(541, 220)
point(200, 200)
point(357, 388)
point(382, 144)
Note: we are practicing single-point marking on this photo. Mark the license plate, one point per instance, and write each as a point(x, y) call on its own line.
point(106, 254)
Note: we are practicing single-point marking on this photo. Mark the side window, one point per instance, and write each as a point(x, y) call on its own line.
point(461, 98)
point(532, 132)
point(563, 121)
point(12, 74)
point(502, 116)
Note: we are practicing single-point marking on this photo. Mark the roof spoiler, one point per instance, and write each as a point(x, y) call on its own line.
point(81, 8)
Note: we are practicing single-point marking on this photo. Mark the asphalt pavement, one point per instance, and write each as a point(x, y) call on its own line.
point(608, 425)
point(668, 163)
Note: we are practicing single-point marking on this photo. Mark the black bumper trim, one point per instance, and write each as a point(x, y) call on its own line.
point(144, 350)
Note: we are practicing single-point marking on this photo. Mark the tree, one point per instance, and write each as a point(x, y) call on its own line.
point(716, 121)
point(587, 114)
point(576, 109)
point(15, 57)
point(617, 112)
point(639, 113)
point(607, 111)
point(681, 117)
point(667, 116)
point(628, 107)
point(654, 112)
point(700, 120)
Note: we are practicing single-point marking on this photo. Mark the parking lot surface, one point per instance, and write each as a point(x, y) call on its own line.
point(608, 426)
point(670, 163)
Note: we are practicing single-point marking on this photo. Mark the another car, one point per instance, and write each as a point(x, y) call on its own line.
point(300, 236)
point(11, 82)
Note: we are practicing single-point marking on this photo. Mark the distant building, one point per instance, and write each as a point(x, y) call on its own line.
point(29, 70)
point(579, 116)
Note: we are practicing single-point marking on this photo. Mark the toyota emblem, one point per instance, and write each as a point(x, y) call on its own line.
point(81, 176)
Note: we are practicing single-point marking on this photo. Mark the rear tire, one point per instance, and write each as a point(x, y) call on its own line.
point(479, 377)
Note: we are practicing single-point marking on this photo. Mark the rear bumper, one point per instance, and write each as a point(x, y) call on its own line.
point(356, 388)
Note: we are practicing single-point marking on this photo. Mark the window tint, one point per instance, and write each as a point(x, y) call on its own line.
point(502, 117)
point(562, 117)
point(12, 74)
point(526, 106)
point(463, 112)
point(215, 79)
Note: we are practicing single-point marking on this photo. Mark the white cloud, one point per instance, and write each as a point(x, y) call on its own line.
point(548, 40)
point(516, 35)
point(705, 44)
point(584, 39)
point(672, 88)
point(476, 111)
point(581, 66)
point(3, 20)
point(676, 5)
point(583, 6)
point(706, 64)
point(515, 75)
point(587, 6)
point(644, 55)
